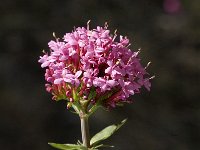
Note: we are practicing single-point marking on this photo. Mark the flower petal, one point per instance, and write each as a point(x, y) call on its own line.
point(78, 74)
point(58, 81)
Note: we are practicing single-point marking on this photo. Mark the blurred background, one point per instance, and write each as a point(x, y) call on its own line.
point(167, 31)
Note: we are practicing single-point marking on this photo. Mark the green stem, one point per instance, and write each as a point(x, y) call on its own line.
point(85, 130)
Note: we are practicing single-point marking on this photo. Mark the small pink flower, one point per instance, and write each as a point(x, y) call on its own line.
point(73, 79)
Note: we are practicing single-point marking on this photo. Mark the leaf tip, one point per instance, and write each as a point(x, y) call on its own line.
point(124, 121)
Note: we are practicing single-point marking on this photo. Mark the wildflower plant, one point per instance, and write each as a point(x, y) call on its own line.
point(89, 69)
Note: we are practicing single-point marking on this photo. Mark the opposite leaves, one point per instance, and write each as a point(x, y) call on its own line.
point(94, 142)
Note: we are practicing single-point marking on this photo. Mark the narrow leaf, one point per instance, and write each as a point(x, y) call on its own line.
point(102, 145)
point(68, 146)
point(105, 133)
point(121, 124)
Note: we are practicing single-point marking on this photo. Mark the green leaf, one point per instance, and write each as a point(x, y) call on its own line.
point(102, 145)
point(68, 146)
point(105, 133)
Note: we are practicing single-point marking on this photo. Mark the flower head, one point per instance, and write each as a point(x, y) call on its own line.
point(90, 66)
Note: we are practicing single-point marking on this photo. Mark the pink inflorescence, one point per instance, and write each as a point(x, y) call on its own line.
point(95, 66)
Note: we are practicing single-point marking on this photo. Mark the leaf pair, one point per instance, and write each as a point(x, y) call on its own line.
point(95, 140)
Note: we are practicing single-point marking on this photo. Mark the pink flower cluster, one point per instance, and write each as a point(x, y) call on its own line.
point(93, 61)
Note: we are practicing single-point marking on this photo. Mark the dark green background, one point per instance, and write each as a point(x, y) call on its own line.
point(167, 118)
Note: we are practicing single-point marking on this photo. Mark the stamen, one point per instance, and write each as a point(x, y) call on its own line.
point(147, 65)
point(54, 35)
point(152, 77)
point(115, 32)
point(106, 25)
point(115, 35)
point(128, 45)
point(88, 24)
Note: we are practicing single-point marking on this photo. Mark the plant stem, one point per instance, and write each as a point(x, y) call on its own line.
point(85, 130)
